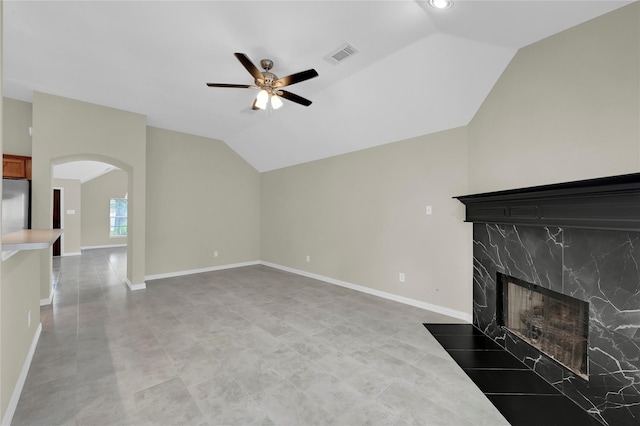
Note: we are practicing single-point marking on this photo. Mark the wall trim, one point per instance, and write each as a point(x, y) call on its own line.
point(17, 390)
point(7, 254)
point(78, 253)
point(133, 287)
point(47, 301)
point(201, 270)
point(103, 246)
point(396, 298)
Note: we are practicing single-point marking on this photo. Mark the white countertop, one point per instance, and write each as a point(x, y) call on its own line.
point(30, 239)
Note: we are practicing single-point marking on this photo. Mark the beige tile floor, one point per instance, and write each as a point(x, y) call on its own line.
point(244, 346)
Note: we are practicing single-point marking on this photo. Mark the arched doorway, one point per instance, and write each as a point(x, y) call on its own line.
point(84, 220)
point(93, 184)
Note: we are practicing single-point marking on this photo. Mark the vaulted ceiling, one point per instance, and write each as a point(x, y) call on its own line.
point(418, 70)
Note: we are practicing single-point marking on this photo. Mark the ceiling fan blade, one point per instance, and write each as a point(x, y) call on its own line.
point(293, 97)
point(295, 78)
point(246, 62)
point(239, 86)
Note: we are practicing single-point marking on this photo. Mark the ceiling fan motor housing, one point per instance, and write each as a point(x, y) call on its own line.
point(267, 64)
point(269, 79)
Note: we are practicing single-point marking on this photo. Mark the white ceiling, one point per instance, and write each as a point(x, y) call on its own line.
point(419, 70)
point(84, 171)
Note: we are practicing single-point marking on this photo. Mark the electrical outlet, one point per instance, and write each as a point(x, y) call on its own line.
point(428, 210)
point(215, 253)
point(308, 258)
point(401, 277)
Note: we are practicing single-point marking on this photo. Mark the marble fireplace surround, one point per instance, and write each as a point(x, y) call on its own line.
point(581, 239)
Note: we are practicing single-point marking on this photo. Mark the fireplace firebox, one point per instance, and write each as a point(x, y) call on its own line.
point(552, 322)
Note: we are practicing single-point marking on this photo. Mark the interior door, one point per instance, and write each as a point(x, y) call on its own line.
point(56, 220)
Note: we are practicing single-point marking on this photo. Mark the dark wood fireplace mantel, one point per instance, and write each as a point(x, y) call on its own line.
point(602, 203)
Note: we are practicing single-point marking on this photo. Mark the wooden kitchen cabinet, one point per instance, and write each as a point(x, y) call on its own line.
point(16, 166)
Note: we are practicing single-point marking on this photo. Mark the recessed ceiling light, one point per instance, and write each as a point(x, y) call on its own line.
point(441, 4)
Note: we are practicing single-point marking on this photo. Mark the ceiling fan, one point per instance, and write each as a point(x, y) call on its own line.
point(269, 83)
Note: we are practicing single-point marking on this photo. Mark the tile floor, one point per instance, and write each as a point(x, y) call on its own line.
point(244, 346)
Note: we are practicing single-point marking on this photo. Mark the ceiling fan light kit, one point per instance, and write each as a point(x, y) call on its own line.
point(275, 101)
point(269, 84)
point(441, 4)
point(262, 99)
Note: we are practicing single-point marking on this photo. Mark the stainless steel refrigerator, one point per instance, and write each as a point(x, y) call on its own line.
point(16, 205)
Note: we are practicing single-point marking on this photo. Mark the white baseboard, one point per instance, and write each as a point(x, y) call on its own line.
point(78, 253)
point(48, 301)
point(7, 254)
point(102, 247)
point(17, 390)
point(134, 287)
point(396, 298)
point(201, 270)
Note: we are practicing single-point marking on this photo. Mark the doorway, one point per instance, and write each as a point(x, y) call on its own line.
point(86, 187)
point(57, 214)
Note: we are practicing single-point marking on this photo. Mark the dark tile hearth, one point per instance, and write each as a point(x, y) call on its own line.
point(521, 395)
point(465, 341)
point(487, 359)
point(536, 410)
point(507, 381)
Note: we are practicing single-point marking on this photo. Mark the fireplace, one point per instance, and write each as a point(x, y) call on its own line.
point(581, 240)
point(552, 322)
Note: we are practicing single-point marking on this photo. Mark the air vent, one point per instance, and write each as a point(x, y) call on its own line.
point(342, 53)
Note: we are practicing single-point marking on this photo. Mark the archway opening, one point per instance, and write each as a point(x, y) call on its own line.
point(93, 208)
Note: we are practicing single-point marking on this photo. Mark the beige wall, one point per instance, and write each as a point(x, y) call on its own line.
point(201, 197)
point(17, 119)
point(20, 295)
point(67, 130)
point(361, 217)
point(566, 108)
point(71, 201)
point(95, 208)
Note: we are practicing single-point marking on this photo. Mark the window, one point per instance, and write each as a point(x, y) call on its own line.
point(118, 217)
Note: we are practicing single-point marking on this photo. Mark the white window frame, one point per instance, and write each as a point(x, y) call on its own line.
point(111, 227)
